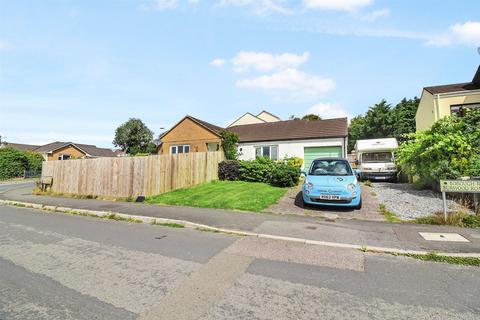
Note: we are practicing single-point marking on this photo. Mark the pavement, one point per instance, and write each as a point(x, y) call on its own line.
point(350, 232)
point(58, 266)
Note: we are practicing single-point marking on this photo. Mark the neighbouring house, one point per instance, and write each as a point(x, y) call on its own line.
point(261, 135)
point(64, 150)
point(249, 118)
point(293, 138)
point(190, 135)
point(441, 101)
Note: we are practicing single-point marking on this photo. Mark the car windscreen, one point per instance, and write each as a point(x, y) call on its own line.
point(330, 168)
point(377, 157)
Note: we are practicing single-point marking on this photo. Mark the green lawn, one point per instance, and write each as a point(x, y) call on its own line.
point(236, 195)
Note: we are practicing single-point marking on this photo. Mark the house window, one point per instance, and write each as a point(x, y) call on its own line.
point(184, 148)
point(270, 152)
point(457, 108)
point(64, 157)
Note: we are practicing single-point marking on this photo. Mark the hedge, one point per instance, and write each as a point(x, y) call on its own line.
point(13, 162)
point(284, 173)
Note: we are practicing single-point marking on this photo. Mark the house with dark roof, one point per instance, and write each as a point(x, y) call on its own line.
point(441, 101)
point(293, 138)
point(190, 135)
point(64, 150)
point(269, 137)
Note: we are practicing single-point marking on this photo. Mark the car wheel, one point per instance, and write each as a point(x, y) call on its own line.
point(359, 206)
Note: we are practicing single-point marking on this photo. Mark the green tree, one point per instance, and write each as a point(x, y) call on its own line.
point(403, 117)
point(311, 117)
point(134, 137)
point(229, 143)
point(383, 121)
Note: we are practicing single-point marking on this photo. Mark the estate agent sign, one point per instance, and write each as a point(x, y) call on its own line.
point(457, 186)
point(463, 186)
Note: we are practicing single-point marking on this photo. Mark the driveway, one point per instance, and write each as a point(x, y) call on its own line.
point(291, 203)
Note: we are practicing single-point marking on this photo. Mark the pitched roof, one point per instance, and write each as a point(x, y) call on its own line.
point(457, 87)
point(89, 149)
point(216, 129)
point(21, 146)
point(271, 114)
point(292, 130)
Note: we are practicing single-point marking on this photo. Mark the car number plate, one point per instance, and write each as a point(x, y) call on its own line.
point(329, 197)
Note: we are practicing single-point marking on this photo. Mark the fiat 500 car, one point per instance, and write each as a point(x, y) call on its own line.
point(331, 182)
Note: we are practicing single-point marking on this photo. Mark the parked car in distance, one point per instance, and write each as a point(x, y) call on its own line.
point(332, 182)
point(375, 159)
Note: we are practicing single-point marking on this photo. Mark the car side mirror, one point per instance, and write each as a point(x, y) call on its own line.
point(304, 172)
point(357, 172)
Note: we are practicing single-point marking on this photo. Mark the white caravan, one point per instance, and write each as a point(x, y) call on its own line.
point(376, 160)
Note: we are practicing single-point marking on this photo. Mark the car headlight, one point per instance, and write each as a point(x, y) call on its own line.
point(309, 186)
point(351, 187)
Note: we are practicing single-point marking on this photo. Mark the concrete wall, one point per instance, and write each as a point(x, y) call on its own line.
point(189, 133)
point(293, 148)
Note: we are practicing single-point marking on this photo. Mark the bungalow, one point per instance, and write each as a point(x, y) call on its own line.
point(63, 150)
point(261, 135)
point(441, 101)
point(293, 138)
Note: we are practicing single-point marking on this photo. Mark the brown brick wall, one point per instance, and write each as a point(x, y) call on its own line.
point(73, 152)
point(190, 133)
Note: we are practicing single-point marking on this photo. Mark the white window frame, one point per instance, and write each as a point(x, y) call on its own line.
point(64, 157)
point(271, 155)
point(175, 148)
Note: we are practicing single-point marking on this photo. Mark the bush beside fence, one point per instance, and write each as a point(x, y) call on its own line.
point(132, 176)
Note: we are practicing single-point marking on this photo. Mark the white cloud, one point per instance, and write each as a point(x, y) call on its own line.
point(259, 7)
point(374, 15)
point(262, 61)
point(165, 4)
point(467, 33)
point(339, 5)
point(218, 63)
point(4, 45)
point(328, 110)
point(299, 84)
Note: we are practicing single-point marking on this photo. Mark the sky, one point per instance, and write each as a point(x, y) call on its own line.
point(76, 70)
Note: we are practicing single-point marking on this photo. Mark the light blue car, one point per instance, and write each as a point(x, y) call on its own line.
point(332, 182)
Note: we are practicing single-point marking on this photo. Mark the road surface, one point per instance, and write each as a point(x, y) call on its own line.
point(56, 266)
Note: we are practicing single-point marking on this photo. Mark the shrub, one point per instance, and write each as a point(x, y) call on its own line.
point(12, 163)
point(258, 170)
point(448, 150)
point(471, 221)
point(35, 160)
point(229, 144)
point(285, 175)
point(294, 162)
point(229, 170)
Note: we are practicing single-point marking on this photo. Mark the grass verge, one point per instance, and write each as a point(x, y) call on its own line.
point(233, 195)
point(432, 256)
point(389, 216)
point(170, 225)
point(457, 219)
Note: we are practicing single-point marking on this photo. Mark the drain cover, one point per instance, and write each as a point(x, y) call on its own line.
point(451, 237)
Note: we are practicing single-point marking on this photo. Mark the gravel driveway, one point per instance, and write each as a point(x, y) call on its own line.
point(409, 203)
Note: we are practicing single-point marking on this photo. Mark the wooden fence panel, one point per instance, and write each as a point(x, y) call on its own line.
point(132, 176)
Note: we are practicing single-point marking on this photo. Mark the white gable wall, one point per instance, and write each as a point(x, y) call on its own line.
point(289, 148)
point(247, 118)
point(265, 116)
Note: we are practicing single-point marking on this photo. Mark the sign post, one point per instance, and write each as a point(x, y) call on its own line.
point(457, 186)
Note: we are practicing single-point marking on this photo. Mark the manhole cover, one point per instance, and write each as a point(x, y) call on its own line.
point(437, 236)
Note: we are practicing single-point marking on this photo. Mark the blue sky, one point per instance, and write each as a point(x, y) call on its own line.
point(75, 70)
